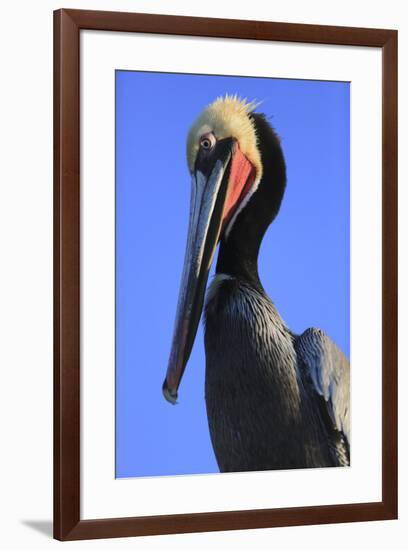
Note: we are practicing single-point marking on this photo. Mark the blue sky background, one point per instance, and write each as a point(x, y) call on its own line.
point(304, 260)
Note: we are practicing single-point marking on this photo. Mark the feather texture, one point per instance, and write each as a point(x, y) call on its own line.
point(329, 372)
point(264, 410)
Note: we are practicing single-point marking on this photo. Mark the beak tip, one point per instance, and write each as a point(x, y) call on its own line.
point(169, 395)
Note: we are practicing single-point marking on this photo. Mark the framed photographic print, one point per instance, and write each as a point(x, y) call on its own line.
point(225, 263)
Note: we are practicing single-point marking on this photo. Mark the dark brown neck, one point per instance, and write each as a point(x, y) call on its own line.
point(238, 253)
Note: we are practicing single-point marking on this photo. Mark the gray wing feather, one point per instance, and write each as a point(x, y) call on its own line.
point(329, 371)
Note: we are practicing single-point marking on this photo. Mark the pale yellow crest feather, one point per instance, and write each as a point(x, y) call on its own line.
point(227, 116)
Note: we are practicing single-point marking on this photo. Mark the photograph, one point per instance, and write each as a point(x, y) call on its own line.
point(225, 273)
point(232, 274)
point(201, 262)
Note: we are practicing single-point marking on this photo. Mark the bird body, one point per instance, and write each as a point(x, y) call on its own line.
point(263, 411)
point(275, 400)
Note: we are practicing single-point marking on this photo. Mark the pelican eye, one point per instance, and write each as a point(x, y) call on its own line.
point(207, 142)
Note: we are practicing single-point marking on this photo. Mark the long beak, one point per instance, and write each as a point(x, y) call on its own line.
point(206, 215)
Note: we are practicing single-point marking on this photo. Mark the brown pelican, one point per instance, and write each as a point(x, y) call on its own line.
point(275, 400)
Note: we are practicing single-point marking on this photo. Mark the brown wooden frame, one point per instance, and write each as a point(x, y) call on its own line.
point(67, 26)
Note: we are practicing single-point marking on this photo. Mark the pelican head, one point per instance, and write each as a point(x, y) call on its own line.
point(226, 164)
